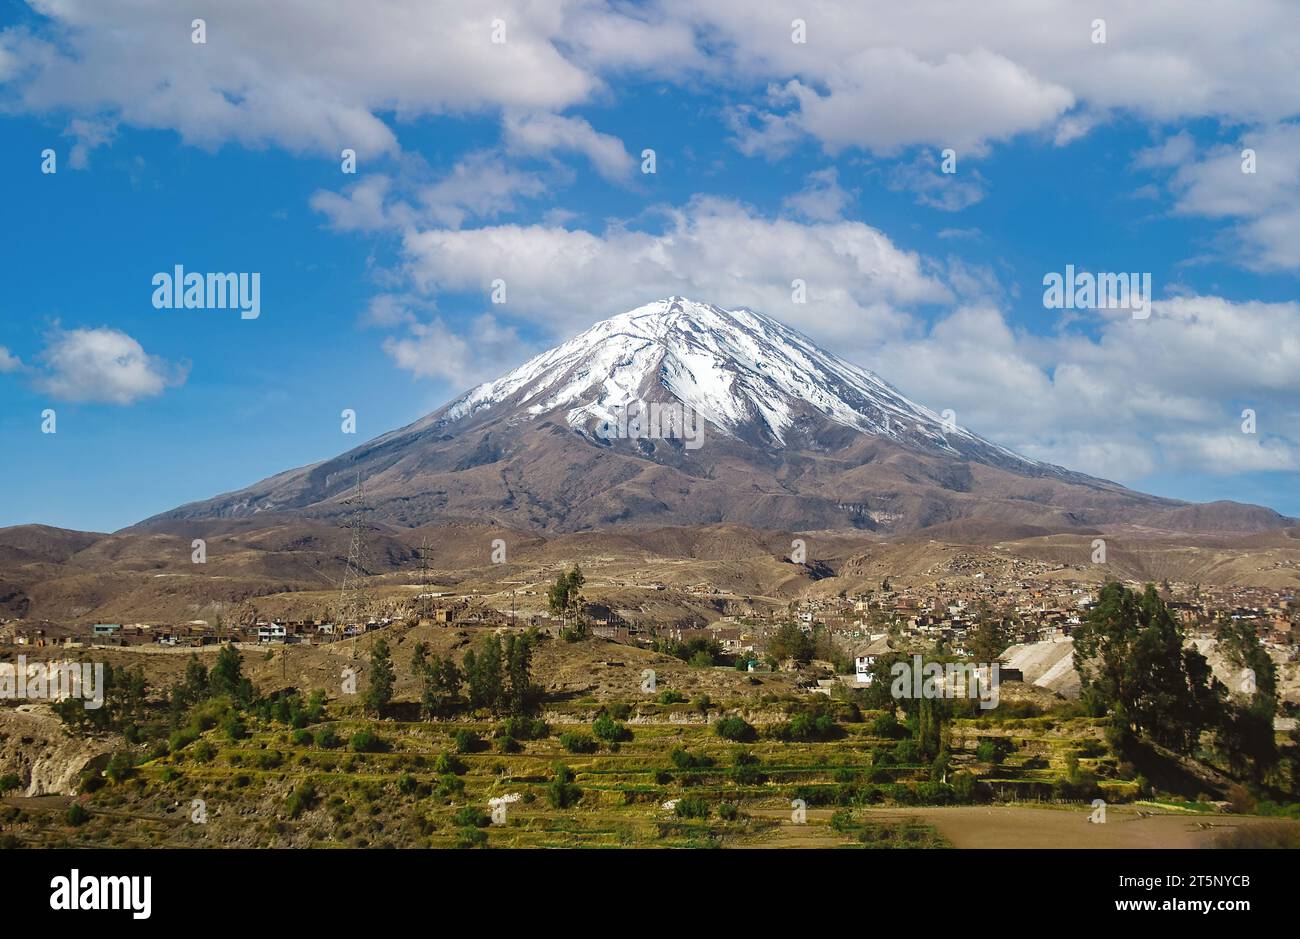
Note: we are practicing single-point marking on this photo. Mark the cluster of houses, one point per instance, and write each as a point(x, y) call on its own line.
point(204, 633)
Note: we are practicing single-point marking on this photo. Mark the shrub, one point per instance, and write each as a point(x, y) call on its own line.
point(560, 791)
point(964, 786)
point(450, 786)
point(692, 808)
point(364, 741)
point(729, 811)
point(610, 730)
point(301, 738)
point(467, 741)
point(269, 760)
point(668, 696)
point(683, 759)
point(907, 752)
point(735, 728)
point(119, 767)
point(77, 815)
point(9, 782)
point(326, 739)
point(577, 743)
point(182, 738)
point(446, 763)
point(747, 772)
point(300, 799)
point(993, 749)
point(233, 727)
point(805, 727)
point(524, 728)
point(470, 817)
point(471, 838)
point(887, 726)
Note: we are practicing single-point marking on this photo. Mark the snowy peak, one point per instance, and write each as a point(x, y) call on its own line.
point(794, 438)
point(748, 375)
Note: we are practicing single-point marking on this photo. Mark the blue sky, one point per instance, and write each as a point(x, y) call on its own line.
point(521, 160)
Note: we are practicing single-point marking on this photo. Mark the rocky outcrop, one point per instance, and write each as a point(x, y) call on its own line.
point(46, 758)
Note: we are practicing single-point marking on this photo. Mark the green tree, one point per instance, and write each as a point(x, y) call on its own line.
point(382, 677)
point(440, 680)
point(1245, 737)
point(1132, 664)
point(227, 676)
point(790, 642)
point(932, 727)
point(484, 674)
point(988, 638)
point(522, 696)
point(565, 597)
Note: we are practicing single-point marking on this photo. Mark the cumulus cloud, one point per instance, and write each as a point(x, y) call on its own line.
point(874, 102)
point(947, 192)
point(433, 350)
point(87, 135)
point(8, 361)
point(319, 75)
point(104, 365)
point(882, 75)
point(307, 75)
point(1139, 396)
point(481, 185)
point(714, 249)
point(541, 134)
point(822, 199)
point(1264, 205)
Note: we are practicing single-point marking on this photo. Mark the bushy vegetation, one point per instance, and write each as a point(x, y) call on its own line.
point(561, 792)
point(735, 728)
point(610, 730)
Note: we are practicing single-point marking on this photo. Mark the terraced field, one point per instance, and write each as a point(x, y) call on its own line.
point(672, 784)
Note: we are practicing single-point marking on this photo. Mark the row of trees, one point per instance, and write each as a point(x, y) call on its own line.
point(496, 676)
point(1135, 664)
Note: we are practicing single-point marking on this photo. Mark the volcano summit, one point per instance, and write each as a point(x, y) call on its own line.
point(795, 438)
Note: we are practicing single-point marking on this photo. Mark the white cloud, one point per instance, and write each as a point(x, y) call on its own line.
point(541, 134)
point(8, 361)
point(482, 185)
point(883, 75)
point(1264, 205)
point(1162, 394)
point(432, 350)
point(713, 249)
point(308, 75)
point(87, 135)
point(947, 192)
point(103, 365)
point(319, 75)
point(885, 99)
point(361, 207)
point(822, 199)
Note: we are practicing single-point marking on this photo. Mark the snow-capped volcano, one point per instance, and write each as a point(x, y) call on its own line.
point(794, 438)
point(750, 376)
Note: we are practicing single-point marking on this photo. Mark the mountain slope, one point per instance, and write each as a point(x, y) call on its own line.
point(794, 437)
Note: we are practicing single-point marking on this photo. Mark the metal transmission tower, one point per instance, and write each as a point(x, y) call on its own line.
point(424, 607)
point(353, 601)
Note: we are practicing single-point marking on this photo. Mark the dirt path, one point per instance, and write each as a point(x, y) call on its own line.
point(1014, 826)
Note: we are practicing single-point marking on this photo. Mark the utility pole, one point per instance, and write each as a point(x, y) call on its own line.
point(351, 597)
